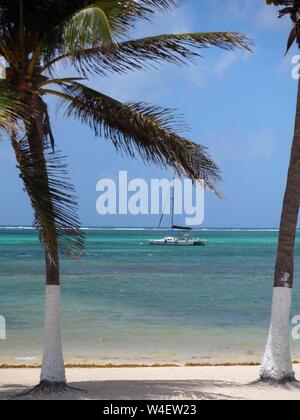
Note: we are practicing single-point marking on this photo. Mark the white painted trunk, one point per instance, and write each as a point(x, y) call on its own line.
point(53, 363)
point(277, 364)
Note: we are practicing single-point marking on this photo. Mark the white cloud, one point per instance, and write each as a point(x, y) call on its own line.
point(146, 85)
point(237, 146)
point(256, 12)
point(233, 9)
point(266, 17)
point(239, 8)
point(182, 19)
point(225, 62)
point(206, 71)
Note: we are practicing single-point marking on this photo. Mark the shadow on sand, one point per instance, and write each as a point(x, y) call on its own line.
point(153, 390)
point(133, 390)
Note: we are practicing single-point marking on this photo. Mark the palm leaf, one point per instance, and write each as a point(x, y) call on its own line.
point(293, 9)
point(51, 25)
point(88, 27)
point(135, 54)
point(122, 15)
point(11, 107)
point(44, 173)
point(292, 38)
point(140, 129)
point(52, 198)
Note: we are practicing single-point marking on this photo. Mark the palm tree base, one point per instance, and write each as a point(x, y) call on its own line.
point(47, 388)
point(282, 381)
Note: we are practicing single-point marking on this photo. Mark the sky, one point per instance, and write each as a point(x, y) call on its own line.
point(240, 105)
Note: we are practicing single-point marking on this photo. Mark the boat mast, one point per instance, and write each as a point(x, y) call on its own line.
point(172, 206)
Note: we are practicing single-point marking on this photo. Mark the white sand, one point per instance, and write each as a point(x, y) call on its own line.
point(156, 383)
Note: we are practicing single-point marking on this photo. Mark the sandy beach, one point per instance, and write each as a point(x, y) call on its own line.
point(178, 383)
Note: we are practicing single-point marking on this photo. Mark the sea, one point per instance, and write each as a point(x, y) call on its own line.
point(130, 302)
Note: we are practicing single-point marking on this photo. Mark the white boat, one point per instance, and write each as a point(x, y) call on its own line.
point(185, 240)
point(181, 240)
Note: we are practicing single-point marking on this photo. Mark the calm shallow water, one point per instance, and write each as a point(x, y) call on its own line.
point(129, 301)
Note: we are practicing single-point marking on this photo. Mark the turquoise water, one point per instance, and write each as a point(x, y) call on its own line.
point(129, 301)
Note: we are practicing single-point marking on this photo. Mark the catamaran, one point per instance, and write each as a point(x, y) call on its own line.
point(182, 239)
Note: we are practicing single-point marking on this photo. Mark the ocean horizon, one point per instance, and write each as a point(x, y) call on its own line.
point(130, 302)
point(162, 229)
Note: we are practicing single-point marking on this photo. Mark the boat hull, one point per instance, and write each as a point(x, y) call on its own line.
point(179, 243)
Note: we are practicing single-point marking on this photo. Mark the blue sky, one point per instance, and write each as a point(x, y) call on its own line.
point(239, 105)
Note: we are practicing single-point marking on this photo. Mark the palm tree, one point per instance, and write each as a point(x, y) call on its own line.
point(91, 37)
point(277, 364)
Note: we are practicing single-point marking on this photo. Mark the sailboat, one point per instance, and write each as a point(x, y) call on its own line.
point(183, 239)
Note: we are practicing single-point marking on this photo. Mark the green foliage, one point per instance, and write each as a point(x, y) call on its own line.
point(52, 197)
point(139, 54)
point(10, 107)
point(87, 28)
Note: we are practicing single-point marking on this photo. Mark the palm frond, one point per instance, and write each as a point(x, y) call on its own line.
point(292, 38)
point(122, 15)
point(136, 54)
point(292, 8)
point(42, 15)
point(140, 129)
point(52, 198)
point(11, 107)
point(44, 173)
point(49, 24)
point(87, 28)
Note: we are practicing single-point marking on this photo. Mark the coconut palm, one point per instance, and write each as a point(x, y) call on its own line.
point(277, 364)
point(38, 38)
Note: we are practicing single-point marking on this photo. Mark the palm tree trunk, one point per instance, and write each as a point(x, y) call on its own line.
point(277, 364)
point(53, 371)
